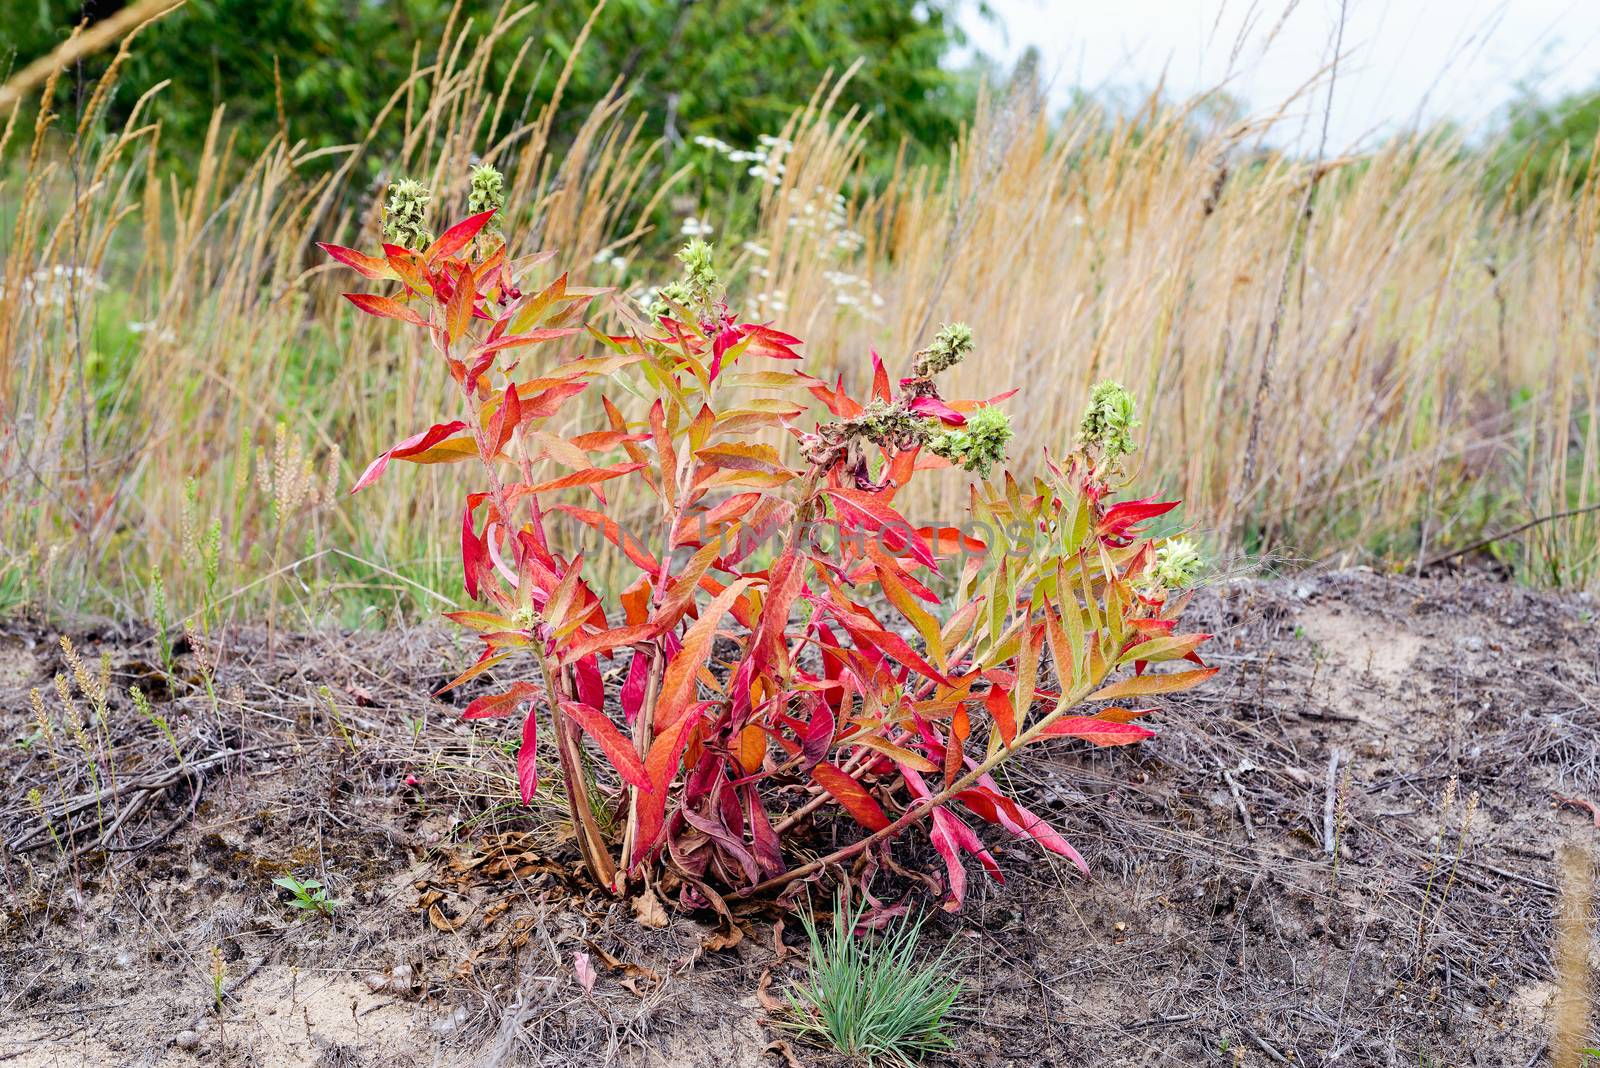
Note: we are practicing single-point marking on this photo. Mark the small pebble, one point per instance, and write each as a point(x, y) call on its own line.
point(187, 1040)
point(445, 1025)
point(397, 981)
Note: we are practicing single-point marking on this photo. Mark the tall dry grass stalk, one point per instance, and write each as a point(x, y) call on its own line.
point(158, 330)
point(1436, 372)
point(1574, 939)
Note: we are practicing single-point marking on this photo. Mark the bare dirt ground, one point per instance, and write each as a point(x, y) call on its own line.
point(1219, 927)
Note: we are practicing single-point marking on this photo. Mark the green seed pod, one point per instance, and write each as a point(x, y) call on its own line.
point(1108, 422)
point(979, 445)
point(699, 273)
point(891, 426)
point(950, 346)
point(405, 216)
point(677, 293)
point(1177, 562)
point(488, 193)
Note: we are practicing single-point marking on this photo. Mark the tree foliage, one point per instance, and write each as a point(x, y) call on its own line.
point(1547, 142)
point(733, 69)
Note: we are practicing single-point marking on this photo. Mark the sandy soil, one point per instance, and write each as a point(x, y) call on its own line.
point(1218, 928)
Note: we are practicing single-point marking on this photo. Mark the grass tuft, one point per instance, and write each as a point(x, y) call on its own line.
point(873, 999)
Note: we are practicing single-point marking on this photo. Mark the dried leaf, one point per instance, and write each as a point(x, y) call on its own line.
point(648, 910)
point(583, 967)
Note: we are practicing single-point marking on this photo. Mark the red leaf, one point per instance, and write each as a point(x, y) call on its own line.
point(938, 409)
point(880, 379)
point(494, 705)
point(838, 402)
point(891, 644)
point(589, 476)
point(677, 685)
point(624, 758)
point(506, 419)
point(764, 839)
point(527, 764)
point(532, 337)
point(455, 239)
point(633, 686)
point(409, 447)
point(998, 702)
point(851, 795)
point(818, 735)
point(661, 764)
point(864, 509)
point(475, 563)
point(785, 577)
point(385, 307)
point(458, 311)
point(1122, 715)
point(1144, 685)
point(615, 534)
point(955, 745)
point(607, 641)
point(548, 402)
point(1098, 731)
point(944, 843)
point(989, 804)
point(374, 267)
point(743, 456)
point(1119, 521)
point(591, 687)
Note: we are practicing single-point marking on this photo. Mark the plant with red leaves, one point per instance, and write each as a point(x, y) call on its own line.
point(792, 649)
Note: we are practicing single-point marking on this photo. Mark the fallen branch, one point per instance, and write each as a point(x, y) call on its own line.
point(145, 790)
point(1484, 543)
point(1238, 800)
point(1581, 803)
point(1330, 803)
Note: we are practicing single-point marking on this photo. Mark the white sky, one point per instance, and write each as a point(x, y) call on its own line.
point(1403, 59)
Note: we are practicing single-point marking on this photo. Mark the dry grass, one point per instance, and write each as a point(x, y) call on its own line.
point(1436, 368)
point(1436, 374)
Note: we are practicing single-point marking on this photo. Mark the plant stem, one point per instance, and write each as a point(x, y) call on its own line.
point(924, 808)
point(643, 736)
point(591, 842)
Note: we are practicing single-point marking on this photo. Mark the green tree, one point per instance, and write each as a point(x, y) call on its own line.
point(1545, 139)
point(726, 68)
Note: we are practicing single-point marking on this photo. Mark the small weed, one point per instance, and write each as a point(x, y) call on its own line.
point(158, 612)
point(309, 895)
point(1426, 919)
point(873, 1000)
point(219, 979)
point(141, 704)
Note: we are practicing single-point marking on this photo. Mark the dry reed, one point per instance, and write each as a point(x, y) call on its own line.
point(1436, 374)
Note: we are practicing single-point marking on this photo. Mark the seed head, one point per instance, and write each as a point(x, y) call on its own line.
point(1177, 563)
point(699, 273)
point(488, 193)
point(1108, 422)
point(405, 216)
point(950, 346)
point(979, 445)
point(699, 284)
